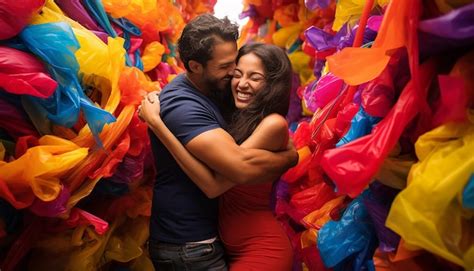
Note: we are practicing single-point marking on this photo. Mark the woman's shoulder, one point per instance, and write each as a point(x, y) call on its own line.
point(275, 121)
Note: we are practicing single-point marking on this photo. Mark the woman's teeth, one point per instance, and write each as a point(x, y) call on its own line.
point(243, 96)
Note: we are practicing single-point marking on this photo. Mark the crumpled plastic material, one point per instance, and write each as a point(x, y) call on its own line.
point(457, 24)
point(46, 163)
point(56, 44)
point(353, 166)
point(22, 73)
point(76, 11)
point(52, 208)
point(378, 204)
point(326, 89)
point(84, 249)
point(16, 15)
point(314, 4)
point(439, 224)
point(468, 194)
point(14, 121)
point(393, 33)
point(351, 9)
point(160, 16)
point(351, 240)
point(152, 55)
point(361, 125)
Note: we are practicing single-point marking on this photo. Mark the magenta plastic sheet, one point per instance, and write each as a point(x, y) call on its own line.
point(52, 208)
point(14, 121)
point(22, 73)
point(15, 15)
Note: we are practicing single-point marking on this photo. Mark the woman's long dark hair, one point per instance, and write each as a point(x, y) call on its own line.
point(273, 98)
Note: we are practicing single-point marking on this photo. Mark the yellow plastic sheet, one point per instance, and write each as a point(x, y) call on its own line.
point(428, 213)
point(82, 249)
point(286, 36)
point(152, 55)
point(300, 64)
point(350, 10)
point(46, 164)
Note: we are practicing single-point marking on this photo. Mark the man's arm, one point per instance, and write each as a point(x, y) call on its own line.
point(218, 150)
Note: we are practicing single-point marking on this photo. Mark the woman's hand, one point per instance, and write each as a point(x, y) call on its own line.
point(149, 110)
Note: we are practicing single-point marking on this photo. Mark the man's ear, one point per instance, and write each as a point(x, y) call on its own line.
point(195, 66)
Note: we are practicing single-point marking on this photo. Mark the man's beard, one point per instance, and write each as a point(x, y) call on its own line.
point(216, 92)
point(222, 98)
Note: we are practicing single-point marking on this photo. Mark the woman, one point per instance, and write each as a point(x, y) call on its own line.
point(261, 85)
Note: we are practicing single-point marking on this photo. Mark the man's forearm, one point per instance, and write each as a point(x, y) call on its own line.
point(266, 166)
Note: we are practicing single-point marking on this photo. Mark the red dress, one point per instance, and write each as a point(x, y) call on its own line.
point(253, 238)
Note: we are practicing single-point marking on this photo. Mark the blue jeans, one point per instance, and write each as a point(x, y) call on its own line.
point(189, 257)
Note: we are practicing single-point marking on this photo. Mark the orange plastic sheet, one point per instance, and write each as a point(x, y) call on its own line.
point(316, 220)
point(159, 16)
point(123, 8)
point(191, 9)
point(110, 136)
point(359, 65)
point(438, 223)
point(47, 164)
point(134, 86)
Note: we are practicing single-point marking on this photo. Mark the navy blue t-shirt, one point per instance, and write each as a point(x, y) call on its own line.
point(181, 212)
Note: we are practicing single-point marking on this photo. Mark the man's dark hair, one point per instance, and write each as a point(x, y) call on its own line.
point(199, 36)
point(273, 98)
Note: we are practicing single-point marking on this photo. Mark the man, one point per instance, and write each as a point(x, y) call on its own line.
point(183, 226)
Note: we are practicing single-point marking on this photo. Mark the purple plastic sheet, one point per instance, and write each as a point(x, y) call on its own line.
point(457, 24)
point(76, 11)
point(378, 205)
point(314, 4)
point(322, 40)
point(250, 12)
point(452, 30)
point(294, 111)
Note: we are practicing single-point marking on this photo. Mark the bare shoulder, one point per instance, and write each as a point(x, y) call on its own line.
point(274, 124)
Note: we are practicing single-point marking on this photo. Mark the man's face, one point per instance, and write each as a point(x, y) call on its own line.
point(220, 68)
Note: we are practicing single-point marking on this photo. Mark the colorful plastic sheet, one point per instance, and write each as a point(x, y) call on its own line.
point(438, 223)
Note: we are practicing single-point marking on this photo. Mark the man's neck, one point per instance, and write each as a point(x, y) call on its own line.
point(196, 81)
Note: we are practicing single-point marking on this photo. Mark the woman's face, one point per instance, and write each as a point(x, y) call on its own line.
point(248, 80)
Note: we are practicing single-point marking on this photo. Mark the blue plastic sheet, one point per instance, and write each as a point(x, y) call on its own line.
point(350, 243)
point(361, 125)
point(56, 44)
point(468, 194)
point(96, 10)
